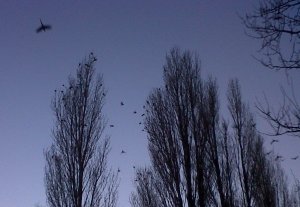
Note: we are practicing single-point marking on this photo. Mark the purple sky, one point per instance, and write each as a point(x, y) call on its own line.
point(130, 39)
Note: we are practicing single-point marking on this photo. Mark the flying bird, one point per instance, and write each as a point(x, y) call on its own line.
point(43, 27)
point(295, 158)
point(273, 141)
point(278, 157)
point(122, 152)
point(122, 104)
point(134, 112)
point(143, 115)
point(268, 152)
point(111, 125)
point(119, 170)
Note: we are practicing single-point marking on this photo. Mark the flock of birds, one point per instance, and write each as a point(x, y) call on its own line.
point(279, 157)
point(44, 27)
point(112, 125)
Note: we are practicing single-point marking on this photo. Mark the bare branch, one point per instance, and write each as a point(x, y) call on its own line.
point(76, 172)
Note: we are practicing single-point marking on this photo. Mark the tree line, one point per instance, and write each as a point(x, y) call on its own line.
point(199, 157)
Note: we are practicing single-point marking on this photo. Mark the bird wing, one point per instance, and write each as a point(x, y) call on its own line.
point(47, 26)
point(39, 29)
point(43, 28)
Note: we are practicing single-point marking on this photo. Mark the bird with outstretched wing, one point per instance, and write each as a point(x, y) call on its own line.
point(43, 27)
point(295, 158)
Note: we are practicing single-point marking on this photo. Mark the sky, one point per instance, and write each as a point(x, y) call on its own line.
point(130, 40)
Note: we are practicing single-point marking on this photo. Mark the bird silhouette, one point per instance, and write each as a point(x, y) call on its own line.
point(295, 158)
point(122, 104)
point(274, 140)
point(134, 112)
point(268, 152)
point(119, 170)
point(278, 157)
point(111, 125)
point(143, 115)
point(43, 27)
point(123, 152)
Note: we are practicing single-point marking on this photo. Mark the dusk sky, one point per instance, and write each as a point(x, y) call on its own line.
point(130, 40)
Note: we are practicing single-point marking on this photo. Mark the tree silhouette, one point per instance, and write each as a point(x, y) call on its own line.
point(148, 191)
point(196, 159)
point(276, 23)
point(177, 149)
point(76, 171)
point(256, 188)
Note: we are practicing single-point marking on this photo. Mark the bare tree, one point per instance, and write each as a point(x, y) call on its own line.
point(196, 160)
point(185, 140)
point(76, 172)
point(222, 156)
point(277, 24)
point(295, 193)
point(265, 181)
point(261, 179)
point(148, 190)
point(176, 144)
point(286, 119)
point(257, 189)
point(244, 140)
